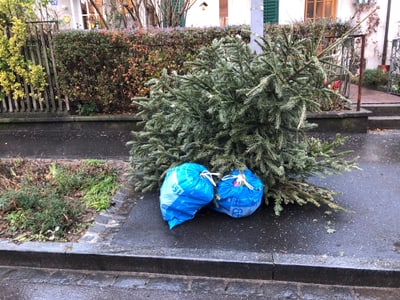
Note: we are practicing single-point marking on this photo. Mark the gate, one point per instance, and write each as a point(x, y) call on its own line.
point(393, 86)
point(38, 49)
point(349, 55)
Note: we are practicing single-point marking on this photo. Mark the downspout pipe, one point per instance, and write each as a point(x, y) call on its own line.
point(385, 41)
point(256, 24)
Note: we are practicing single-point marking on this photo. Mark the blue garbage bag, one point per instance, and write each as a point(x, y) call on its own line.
point(238, 194)
point(186, 189)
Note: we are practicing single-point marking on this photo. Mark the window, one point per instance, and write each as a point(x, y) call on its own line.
point(320, 9)
point(271, 11)
point(223, 12)
point(365, 1)
point(91, 13)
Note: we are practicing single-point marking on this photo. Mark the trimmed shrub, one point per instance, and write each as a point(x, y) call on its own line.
point(91, 65)
point(110, 68)
point(106, 69)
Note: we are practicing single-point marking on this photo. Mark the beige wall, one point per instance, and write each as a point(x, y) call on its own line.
point(291, 11)
point(67, 12)
point(197, 17)
point(238, 12)
point(375, 40)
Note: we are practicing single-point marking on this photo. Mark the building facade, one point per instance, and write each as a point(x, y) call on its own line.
point(381, 28)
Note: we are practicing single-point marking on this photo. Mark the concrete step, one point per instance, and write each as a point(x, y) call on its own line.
point(384, 122)
point(383, 116)
point(383, 109)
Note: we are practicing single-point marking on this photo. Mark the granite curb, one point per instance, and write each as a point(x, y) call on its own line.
point(268, 266)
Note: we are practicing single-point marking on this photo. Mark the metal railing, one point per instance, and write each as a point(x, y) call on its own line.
point(350, 56)
point(393, 86)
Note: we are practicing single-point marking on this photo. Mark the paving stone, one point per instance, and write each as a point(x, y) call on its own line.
point(27, 275)
point(203, 285)
point(97, 228)
point(316, 292)
point(103, 219)
point(369, 293)
point(98, 279)
point(125, 281)
point(168, 284)
point(280, 290)
point(243, 288)
point(62, 277)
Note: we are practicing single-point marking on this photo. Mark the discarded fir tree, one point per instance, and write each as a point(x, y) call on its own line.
point(236, 109)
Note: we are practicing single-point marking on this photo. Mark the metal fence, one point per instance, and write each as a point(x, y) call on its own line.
point(393, 86)
point(38, 49)
point(349, 56)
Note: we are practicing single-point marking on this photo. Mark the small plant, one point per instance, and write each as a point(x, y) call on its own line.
point(94, 181)
point(97, 196)
point(53, 201)
point(87, 109)
point(375, 79)
point(39, 210)
point(395, 88)
point(63, 180)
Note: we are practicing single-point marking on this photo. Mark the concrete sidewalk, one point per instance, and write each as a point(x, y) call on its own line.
point(369, 96)
point(305, 244)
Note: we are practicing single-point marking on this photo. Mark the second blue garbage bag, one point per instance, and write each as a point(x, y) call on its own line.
point(186, 189)
point(239, 194)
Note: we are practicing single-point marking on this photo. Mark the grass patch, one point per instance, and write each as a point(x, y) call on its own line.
point(54, 200)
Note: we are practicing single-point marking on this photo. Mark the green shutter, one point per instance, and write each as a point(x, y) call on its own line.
point(271, 11)
point(183, 18)
point(176, 6)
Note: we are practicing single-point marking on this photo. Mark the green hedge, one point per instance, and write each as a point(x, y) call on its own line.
point(109, 68)
point(104, 70)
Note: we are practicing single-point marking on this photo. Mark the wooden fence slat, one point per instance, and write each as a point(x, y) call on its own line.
point(26, 86)
point(10, 106)
point(55, 76)
point(39, 46)
point(47, 67)
point(32, 102)
point(67, 102)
